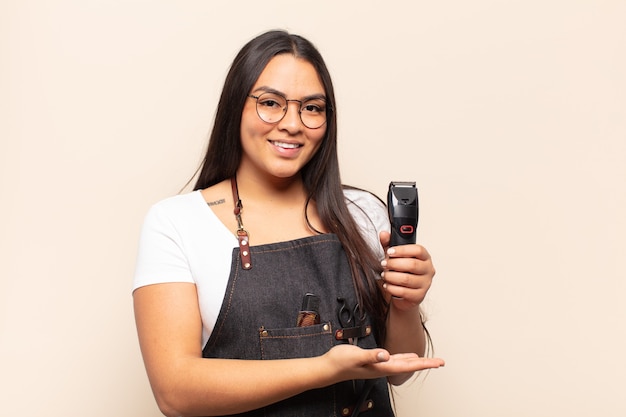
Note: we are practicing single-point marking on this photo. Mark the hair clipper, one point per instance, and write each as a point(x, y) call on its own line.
point(403, 207)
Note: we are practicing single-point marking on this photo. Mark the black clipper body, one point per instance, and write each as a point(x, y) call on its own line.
point(402, 203)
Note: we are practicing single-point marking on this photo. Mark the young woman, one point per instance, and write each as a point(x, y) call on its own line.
point(225, 274)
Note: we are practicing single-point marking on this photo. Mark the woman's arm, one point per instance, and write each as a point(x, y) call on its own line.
point(407, 276)
point(185, 384)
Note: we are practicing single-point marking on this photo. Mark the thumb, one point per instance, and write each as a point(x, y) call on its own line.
point(381, 355)
point(385, 238)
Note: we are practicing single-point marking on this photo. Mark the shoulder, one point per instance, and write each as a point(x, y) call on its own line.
point(178, 203)
point(370, 214)
point(180, 238)
point(181, 208)
point(184, 217)
point(362, 198)
point(161, 256)
point(363, 203)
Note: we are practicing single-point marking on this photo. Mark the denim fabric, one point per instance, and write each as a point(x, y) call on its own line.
point(258, 317)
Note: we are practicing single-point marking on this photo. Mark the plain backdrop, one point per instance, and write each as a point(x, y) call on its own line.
point(509, 115)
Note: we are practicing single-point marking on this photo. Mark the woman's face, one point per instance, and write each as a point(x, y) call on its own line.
point(281, 149)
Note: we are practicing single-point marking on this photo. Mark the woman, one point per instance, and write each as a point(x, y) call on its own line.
point(224, 272)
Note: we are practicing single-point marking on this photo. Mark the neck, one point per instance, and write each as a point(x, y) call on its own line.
point(280, 199)
point(273, 189)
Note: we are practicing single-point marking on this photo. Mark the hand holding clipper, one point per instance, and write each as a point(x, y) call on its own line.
point(402, 203)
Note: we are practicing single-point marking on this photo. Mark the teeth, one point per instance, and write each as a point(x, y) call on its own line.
point(286, 145)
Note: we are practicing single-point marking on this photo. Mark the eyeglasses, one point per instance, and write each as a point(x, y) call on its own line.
point(272, 108)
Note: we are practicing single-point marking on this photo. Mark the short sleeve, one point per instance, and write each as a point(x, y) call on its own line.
point(370, 214)
point(160, 257)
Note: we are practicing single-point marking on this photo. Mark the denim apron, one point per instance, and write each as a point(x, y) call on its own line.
point(258, 318)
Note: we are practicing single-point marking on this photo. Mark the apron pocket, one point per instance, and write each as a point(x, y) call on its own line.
point(296, 342)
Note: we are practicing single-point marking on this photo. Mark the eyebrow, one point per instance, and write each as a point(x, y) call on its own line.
point(267, 89)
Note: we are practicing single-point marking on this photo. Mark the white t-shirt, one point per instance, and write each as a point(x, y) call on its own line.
point(182, 240)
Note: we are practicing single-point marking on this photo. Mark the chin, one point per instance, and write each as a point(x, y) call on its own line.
point(285, 172)
point(286, 175)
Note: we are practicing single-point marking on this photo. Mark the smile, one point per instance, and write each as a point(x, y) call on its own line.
point(285, 145)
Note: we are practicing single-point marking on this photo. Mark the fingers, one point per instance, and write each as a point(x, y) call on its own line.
point(352, 362)
point(412, 297)
point(409, 251)
point(407, 273)
point(403, 363)
point(410, 266)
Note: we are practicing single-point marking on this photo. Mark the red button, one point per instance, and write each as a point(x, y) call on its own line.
point(406, 229)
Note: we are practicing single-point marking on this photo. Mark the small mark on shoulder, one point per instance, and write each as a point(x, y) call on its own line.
point(217, 202)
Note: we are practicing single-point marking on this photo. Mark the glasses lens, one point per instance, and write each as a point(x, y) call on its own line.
point(313, 113)
point(271, 107)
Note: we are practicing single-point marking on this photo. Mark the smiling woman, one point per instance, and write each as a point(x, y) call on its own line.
point(275, 140)
point(219, 287)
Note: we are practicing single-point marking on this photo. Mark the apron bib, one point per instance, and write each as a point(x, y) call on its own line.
point(258, 319)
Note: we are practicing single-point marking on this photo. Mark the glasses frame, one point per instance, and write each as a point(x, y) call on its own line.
point(286, 108)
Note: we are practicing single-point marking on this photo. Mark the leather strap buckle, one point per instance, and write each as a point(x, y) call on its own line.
point(242, 234)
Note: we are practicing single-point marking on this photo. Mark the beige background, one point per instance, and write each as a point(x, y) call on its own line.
point(510, 115)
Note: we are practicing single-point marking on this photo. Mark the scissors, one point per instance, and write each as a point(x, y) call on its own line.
point(349, 318)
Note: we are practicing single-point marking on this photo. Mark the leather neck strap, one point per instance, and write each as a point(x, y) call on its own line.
point(242, 234)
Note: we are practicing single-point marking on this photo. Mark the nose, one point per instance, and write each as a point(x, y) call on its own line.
point(291, 121)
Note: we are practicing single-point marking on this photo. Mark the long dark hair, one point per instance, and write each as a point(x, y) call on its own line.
point(320, 175)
